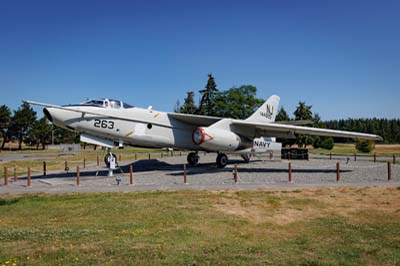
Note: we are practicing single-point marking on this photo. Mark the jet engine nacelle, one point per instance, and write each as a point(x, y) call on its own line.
point(214, 139)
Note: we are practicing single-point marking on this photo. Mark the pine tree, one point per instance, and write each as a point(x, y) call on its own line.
point(23, 120)
point(207, 102)
point(282, 115)
point(5, 119)
point(189, 107)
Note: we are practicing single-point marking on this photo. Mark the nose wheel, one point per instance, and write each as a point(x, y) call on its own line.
point(222, 160)
point(107, 159)
point(193, 159)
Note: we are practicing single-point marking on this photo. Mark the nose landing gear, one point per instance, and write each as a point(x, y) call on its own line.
point(107, 159)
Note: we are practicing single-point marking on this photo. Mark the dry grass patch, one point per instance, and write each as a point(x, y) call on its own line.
point(308, 204)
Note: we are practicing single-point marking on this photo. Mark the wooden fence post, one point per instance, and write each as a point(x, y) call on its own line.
point(28, 178)
point(184, 173)
point(131, 174)
point(290, 172)
point(77, 175)
point(5, 176)
point(235, 173)
point(84, 162)
point(15, 174)
point(389, 170)
point(337, 172)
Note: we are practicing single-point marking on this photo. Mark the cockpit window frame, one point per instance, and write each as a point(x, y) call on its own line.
point(106, 103)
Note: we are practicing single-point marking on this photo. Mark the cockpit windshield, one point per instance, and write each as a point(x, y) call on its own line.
point(107, 103)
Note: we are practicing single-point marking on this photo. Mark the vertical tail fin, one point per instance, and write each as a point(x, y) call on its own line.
point(267, 112)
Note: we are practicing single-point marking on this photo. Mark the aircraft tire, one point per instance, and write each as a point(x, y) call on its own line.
point(222, 160)
point(107, 159)
point(193, 159)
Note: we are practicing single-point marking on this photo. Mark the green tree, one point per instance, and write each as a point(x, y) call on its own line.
point(41, 133)
point(189, 107)
point(207, 102)
point(22, 123)
point(363, 145)
point(5, 119)
point(282, 115)
point(303, 112)
point(237, 103)
point(63, 136)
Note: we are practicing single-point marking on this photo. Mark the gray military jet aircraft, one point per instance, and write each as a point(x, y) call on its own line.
point(106, 122)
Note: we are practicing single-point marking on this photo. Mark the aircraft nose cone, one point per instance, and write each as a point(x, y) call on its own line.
point(47, 114)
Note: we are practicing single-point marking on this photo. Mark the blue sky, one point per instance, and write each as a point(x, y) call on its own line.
point(343, 57)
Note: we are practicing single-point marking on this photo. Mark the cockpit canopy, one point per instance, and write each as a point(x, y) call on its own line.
point(106, 103)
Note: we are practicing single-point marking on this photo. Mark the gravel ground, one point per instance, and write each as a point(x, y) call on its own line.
point(167, 174)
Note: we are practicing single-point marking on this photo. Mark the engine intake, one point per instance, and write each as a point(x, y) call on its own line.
point(214, 139)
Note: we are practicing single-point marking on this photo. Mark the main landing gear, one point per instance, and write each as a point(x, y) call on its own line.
point(193, 159)
point(222, 160)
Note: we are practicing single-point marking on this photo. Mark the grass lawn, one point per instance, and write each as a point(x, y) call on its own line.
point(339, 148)
point(342, 226)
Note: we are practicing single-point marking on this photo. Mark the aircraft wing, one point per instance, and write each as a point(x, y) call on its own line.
point(289, 131)
point(196, 120)
point(295, 122)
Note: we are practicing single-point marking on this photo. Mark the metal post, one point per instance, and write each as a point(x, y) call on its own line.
point(135, 156)
point(149, 156)
point(98, 161)
point(184, 173)
point(337, 172)
point(84, 162)
point(389, 171)
point(290, 172)
point(355, 157)
point(5, 176)
point(77, 175)
point(374, 157)
point(28, 178)
point(131, 174)
point(15, 174)
point(44, 168)
point(270, 156)
point(394, 159)
point(180, 153)
point(330, 156)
